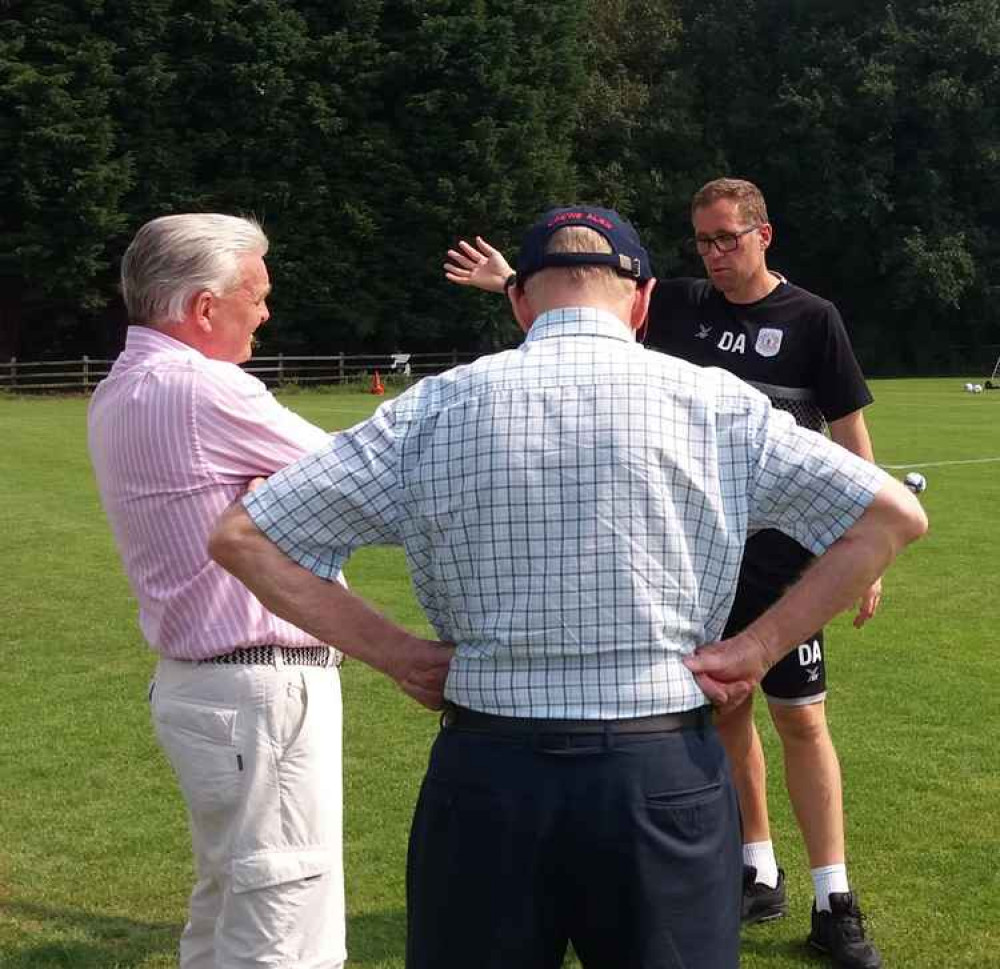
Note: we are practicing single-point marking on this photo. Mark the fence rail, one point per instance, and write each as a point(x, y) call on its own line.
point(76, 376)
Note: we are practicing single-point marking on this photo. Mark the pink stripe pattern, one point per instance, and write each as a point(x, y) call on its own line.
point(174, 439)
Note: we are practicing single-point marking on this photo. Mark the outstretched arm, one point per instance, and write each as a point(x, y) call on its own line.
point(728, 671)
point(328, 610)
point(481, 266)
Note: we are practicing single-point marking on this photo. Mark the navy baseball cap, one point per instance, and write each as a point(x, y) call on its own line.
point(627, 257)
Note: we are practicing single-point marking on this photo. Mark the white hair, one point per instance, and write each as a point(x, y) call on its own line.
point(175, 257)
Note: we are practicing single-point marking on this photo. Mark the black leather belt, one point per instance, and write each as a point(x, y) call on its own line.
point(290, 656)
point(461, 718)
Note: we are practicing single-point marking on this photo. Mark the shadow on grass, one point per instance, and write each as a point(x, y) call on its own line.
point(59, 937)
point(376, 936)
point(792, 949)
point(83, 940)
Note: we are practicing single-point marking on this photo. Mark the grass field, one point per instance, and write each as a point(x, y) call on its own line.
point(94, 855)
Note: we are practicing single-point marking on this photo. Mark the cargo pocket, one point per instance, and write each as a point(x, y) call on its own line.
point(200, 743)
point(265, 869)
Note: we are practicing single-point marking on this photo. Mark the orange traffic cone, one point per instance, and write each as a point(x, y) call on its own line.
point(377, 386)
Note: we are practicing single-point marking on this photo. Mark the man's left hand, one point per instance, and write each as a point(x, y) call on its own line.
point(728, 671)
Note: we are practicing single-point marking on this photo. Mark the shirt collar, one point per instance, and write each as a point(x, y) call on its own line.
point(579, 321)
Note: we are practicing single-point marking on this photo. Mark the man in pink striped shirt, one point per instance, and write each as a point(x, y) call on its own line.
point(245, 705)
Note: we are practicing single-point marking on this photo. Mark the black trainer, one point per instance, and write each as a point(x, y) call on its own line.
point(841, 934)
point(762, 903)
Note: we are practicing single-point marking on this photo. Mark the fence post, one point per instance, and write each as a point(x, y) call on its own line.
point(13, 371)
point(281, 368)
point(340, 367)
point(86, 372)
point(454, 356)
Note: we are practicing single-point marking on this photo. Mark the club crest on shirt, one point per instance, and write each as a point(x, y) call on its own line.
point(768, 342)
point(703, 331)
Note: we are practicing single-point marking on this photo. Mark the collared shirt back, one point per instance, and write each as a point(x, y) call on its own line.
point(174, 439)
point(573, 513)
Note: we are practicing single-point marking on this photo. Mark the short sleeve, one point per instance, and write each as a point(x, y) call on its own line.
point(840, 385)
point(342, 497)
point(674, 302)
point(805, 485)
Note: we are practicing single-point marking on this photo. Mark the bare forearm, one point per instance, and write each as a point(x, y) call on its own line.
point(729, 670)
point(851, 433)
point(844, 572)
point(324, 609)
point(832, 584)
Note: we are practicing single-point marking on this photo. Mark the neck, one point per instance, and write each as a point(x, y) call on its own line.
point(755, 288)
point(570, 298)
point(184, 333)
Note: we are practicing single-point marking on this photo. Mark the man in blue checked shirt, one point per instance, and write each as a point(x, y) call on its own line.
point(574, 513)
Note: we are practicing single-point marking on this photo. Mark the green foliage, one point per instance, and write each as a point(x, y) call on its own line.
point(481, 103)
point(62, 172)
point(371, 134)
point(872, 130)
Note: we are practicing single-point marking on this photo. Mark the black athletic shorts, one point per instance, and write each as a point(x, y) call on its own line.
point(769, 568)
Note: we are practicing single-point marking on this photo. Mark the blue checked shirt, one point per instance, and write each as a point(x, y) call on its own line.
point(573, 513)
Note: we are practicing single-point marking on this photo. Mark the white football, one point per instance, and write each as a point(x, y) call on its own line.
point(977, 388)
point(968, 388)
point(916, 482)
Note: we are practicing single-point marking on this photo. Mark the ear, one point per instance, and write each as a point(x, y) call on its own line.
point(201, 311)
point(766, 233)
point(520, 305)
point(640, 304)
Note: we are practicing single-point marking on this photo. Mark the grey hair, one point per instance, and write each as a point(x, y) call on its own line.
point(580, 238)
point(175, 257)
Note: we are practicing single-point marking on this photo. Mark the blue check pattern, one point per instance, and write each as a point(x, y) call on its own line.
point(573, 513)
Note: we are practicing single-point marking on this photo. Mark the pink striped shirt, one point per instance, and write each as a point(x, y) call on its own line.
point(174, 438)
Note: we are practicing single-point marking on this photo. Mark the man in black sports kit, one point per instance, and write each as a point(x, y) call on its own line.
point(792, 346)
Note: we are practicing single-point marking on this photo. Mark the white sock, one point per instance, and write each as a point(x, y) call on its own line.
point(760, 855)
point(827, 879)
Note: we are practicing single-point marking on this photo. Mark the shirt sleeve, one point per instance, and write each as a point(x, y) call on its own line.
point(345, 496)
point(840, 385)
point(805, 485)
point(672, 305)
point(242, 430)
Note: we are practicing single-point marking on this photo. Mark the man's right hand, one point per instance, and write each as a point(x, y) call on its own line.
point(420, 668)
point(328, 610)
point(481, 266)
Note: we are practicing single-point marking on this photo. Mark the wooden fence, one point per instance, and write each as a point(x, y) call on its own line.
point(81, 376)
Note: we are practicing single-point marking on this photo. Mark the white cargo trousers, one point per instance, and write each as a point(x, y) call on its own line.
point(257, 752)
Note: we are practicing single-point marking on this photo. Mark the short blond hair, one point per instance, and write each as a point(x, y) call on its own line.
point(579, 238)
point(748, 198)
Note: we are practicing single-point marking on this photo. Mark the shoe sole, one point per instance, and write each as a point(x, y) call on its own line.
point(764, 917)
point(819, 947)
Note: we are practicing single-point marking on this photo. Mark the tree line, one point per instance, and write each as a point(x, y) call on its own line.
point(368, 135)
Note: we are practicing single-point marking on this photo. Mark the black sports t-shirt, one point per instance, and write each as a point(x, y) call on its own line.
point(790, 345)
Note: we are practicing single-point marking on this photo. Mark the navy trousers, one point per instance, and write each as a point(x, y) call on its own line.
point(626, 845)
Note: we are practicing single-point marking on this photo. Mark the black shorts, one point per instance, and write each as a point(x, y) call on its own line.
point(799, 678)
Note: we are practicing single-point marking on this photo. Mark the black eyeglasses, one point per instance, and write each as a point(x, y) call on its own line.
point(724, 241)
